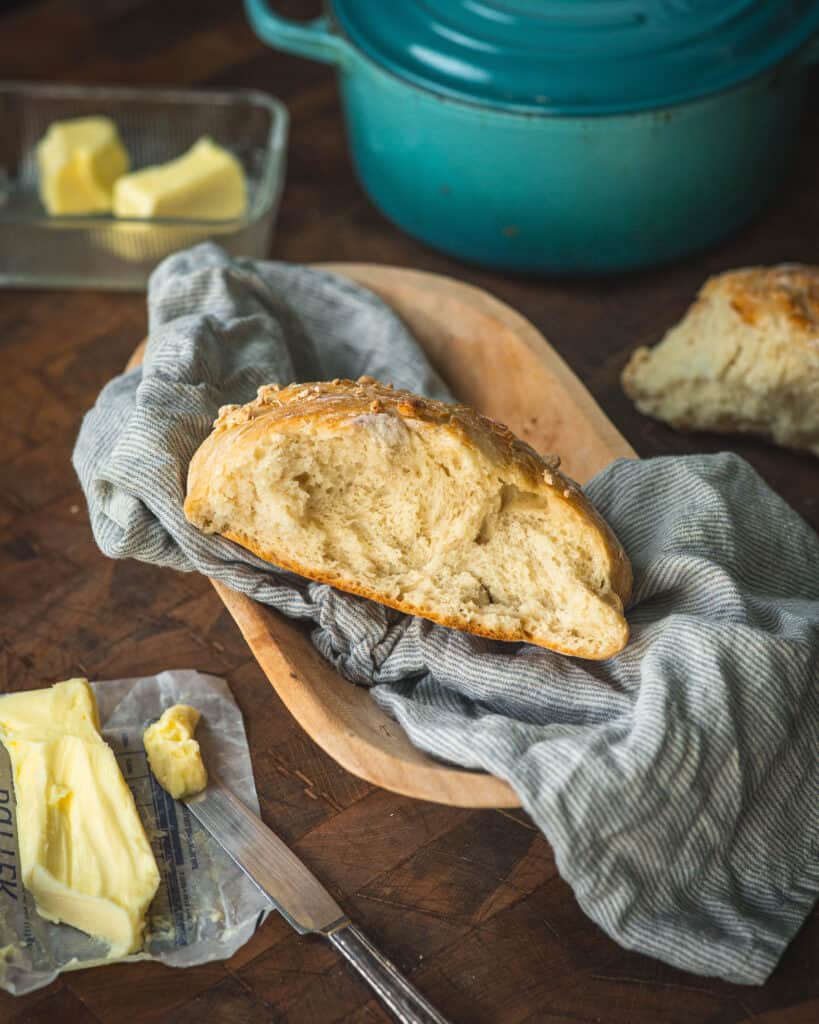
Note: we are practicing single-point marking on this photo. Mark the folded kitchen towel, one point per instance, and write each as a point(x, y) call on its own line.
point(678, 782)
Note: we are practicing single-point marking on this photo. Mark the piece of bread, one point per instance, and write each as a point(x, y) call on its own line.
point(744, 359)
point(426, 507)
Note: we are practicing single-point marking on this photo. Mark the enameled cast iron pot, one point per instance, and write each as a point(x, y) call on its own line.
point(564, 137)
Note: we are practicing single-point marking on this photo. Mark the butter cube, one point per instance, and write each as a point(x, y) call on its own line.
point(84, 855)
point(173, 753)
point(206, 183)
point(79, 161)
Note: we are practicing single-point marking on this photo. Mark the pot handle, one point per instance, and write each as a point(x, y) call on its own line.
point(312, 39)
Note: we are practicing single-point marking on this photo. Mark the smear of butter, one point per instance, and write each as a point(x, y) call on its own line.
point(173, 753)
point(6, 957)
point(78, 162)
point(84, 855)
point(206, 183)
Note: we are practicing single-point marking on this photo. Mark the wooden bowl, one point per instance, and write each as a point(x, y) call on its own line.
point(495, 360)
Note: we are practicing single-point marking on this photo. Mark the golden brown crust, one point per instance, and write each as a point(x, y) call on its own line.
point(424, 612)
point(789, 291)
point(333, 404)
point(337, 401)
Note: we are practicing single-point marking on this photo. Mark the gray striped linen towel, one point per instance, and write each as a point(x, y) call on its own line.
point(677, 781)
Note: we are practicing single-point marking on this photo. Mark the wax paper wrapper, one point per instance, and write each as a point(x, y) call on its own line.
point(205, 908)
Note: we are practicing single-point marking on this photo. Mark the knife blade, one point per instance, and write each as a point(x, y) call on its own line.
point(301, 898)
point(266, 860)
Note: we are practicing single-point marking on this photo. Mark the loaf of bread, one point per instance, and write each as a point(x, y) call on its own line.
point(744, 359)
point(426, 507)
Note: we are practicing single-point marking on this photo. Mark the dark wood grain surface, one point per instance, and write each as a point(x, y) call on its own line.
point(470, 904)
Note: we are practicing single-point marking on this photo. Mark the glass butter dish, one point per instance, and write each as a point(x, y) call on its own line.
point(156, 125)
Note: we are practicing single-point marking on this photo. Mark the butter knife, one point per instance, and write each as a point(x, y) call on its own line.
point(301, 898)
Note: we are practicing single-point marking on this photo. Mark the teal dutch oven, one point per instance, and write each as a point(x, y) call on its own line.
point(565, 137)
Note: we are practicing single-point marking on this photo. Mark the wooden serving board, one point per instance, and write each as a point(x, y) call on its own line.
point(495, 360)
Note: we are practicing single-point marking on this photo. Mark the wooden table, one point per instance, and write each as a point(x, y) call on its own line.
point(469, 903)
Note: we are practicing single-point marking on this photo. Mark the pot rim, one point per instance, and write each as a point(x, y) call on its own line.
point(801, 59)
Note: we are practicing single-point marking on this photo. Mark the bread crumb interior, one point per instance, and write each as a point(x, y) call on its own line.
point(413, 515)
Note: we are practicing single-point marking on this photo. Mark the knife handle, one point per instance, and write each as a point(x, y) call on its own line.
point(404, 1001)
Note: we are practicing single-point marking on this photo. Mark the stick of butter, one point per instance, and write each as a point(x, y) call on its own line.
point(173, 753)
point(84, 855)
point(79, 161)
point(205, 183)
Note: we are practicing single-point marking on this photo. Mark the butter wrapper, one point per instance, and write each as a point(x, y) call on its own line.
point(205, 908)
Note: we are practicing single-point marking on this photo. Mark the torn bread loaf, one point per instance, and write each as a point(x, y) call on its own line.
point(426, 507)
point(744, 359)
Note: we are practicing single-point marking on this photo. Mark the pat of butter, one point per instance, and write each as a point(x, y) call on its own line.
point(79, 161)
point(206, 183)
point(84, 855)
point(173, 753)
